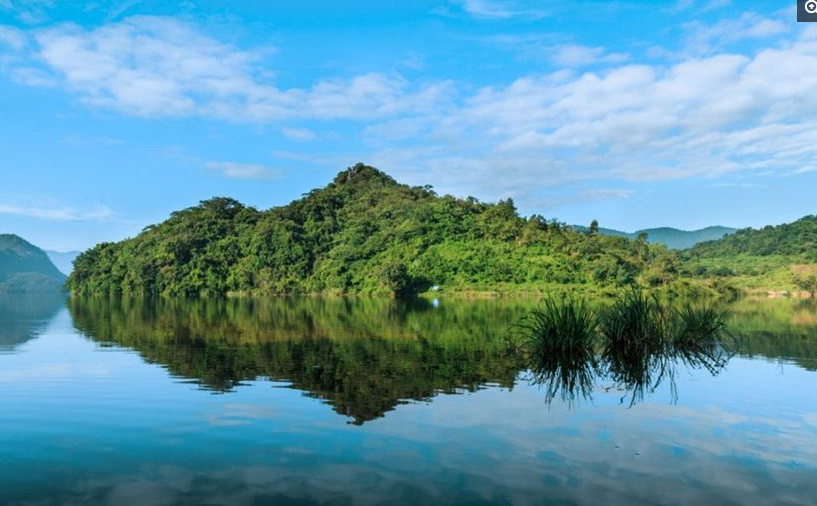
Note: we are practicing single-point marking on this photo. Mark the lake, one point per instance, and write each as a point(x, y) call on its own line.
point(375, 401)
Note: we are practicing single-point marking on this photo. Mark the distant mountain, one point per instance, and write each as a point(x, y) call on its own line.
point(26, 268)
point(64, 260)
point(798, 238)
point(672, 238)
point(683, 239)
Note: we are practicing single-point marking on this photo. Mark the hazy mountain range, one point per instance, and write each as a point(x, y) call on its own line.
point(672, 238)
point(63, 260)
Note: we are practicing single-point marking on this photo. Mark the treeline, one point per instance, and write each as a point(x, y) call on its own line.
point(798, 238)
point(782, 257)
point(365, 233)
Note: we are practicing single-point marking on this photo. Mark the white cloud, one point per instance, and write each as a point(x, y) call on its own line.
point(709, 112)
point(704, 38)
point(158, 67)
point(13, 38)
point(235, 170)
point(299, 134)
point(699, 117)
point(577, 55)
point(99, 213)
point(498, 9)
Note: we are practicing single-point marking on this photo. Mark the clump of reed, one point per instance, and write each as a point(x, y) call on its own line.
point(636, 342)
point(635, 347)
point(558, 340)
point(698, 337)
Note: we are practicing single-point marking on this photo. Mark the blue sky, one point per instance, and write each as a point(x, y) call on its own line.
point(639, 114)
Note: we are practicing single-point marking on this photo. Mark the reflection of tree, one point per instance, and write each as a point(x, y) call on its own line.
point(636, 343)
point(636, 369)
point(362, 356)
point(24, 316)
point(784, 329)
point(365, 356)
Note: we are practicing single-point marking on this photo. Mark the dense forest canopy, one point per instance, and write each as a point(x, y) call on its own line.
point(364, 233)
point(782, 258)
point(798, 238)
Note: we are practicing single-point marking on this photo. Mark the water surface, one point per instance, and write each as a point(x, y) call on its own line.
point(360, 401)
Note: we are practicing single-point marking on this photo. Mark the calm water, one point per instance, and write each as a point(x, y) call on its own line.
point(318, 401)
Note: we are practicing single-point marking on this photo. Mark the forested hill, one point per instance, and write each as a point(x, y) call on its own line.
point(796, 239)
point(363, 233)
point(26, 268)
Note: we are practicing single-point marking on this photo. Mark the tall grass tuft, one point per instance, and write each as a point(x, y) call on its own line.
point(635, 350)
point(637, 342)
point(698, 337)
point(559, 341)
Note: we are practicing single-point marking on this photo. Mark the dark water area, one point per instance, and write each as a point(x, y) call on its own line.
point(377, 401)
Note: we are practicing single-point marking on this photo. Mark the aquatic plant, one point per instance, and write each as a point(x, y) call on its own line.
point(634, 344)
point(558, 339)
point(637, 342)
point(698, 336)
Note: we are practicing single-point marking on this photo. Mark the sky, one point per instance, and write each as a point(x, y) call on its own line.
point(639, 114)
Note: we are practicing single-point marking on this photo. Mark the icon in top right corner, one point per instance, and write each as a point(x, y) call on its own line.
point(806, 11)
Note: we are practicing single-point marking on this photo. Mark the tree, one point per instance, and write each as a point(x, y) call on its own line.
point(807, 282)
point(396, 276)
point(594, 228)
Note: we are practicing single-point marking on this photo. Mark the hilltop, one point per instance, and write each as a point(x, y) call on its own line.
point(781, 257)
point(365, 233)
point(798, 238)
point(26, 268)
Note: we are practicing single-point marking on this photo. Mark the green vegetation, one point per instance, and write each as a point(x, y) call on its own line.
point(26, 268)
point(641, 340)
point(807, 281)
point(365, 355)
point(365, 233)
point(557, 341)
point(772, 258)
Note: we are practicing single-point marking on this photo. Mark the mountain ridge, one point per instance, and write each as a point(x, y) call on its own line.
point(26, 268)
point(671, 237)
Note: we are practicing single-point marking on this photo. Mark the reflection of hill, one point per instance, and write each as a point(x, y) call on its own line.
point(22, 317)
point(778, 329)
point(362, 356)
point(365, 356)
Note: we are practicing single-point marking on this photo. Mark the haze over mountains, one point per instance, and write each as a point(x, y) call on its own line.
point(63, 260)
point(672, 238)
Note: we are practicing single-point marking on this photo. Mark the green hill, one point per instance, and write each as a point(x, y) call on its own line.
point(779, 258)
point(672, 238)
point(26, 268)
point(364, 233)
point(798, 238)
